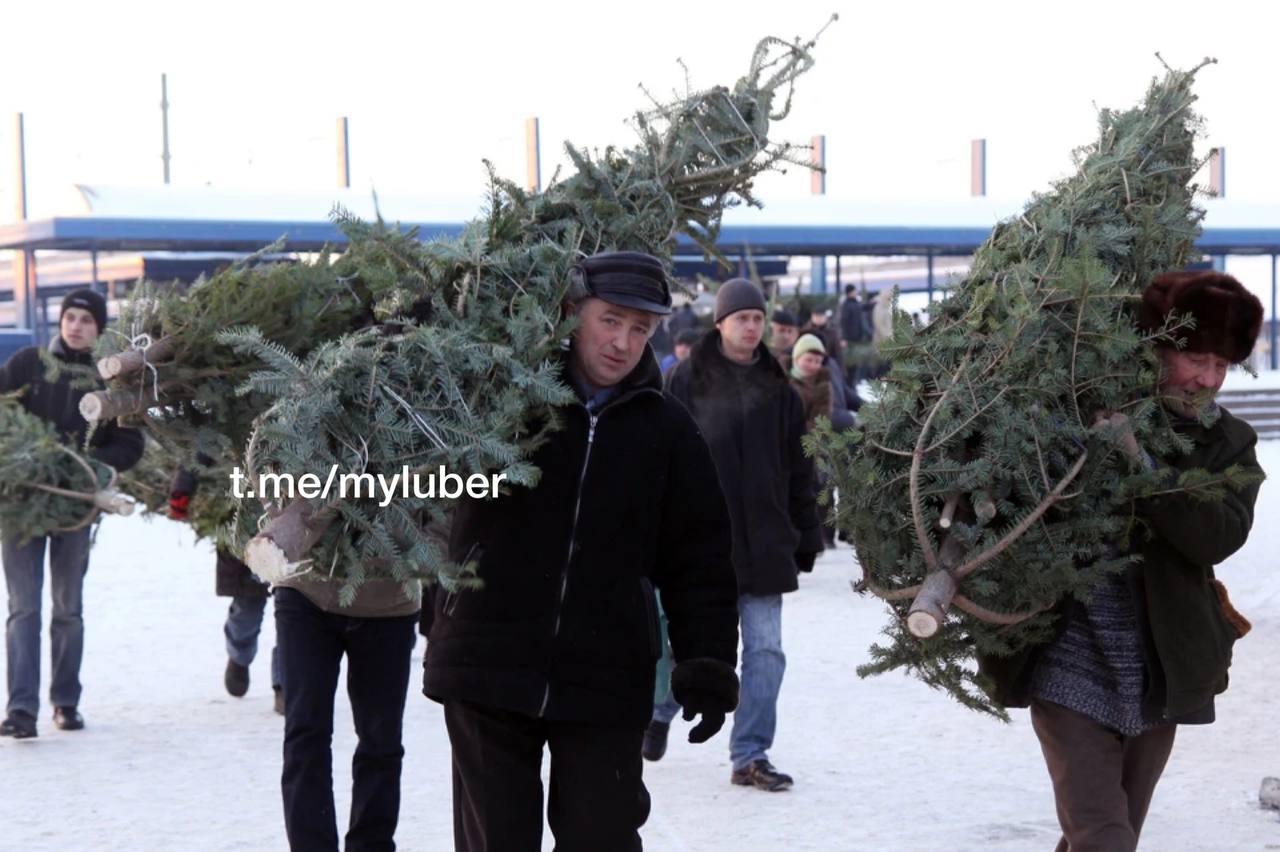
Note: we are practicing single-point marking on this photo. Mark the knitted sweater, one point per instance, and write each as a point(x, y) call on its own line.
point(1095, 666)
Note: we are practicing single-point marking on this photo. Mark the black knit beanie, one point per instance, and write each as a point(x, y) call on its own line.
point(88, 300)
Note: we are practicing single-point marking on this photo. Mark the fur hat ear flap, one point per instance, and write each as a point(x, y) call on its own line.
point(1227, 316)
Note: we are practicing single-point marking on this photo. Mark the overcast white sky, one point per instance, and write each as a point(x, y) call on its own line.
point(431, 88)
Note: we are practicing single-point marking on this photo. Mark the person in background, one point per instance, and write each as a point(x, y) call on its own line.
point(684, 343)
point(811, 379)
point(233, 579)
point(753, 421)
point(683, 319)
point(57, 401)
point(816, 378)
point(783, 331)
point(820, 326)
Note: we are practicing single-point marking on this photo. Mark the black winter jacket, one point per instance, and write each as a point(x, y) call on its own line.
point(566, 625)
point(59, 403)
point(753, 421)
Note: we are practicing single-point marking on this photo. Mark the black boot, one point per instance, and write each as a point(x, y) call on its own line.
point(762, 775)
point(236, 678)
point(20, 725)
point(655, 740)
point(67, 718)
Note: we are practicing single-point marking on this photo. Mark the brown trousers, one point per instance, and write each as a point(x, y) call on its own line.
point(1102, 781)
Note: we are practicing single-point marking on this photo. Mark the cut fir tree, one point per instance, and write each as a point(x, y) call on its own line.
point(473, 380)
point(429, 353)
point(45, 486)
point(980, 492)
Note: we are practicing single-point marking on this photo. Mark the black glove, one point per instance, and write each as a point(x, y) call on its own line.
point(804, 562)
point(706, 687)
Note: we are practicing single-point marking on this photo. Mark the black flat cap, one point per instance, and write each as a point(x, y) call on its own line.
point(629, 279)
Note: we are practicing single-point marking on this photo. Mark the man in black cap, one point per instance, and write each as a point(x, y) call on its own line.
point(558, 649)
point(84, 315)
point(784, 331)
point(753, 421)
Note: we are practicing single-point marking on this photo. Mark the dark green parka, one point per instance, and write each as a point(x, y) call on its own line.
point(1186, 635)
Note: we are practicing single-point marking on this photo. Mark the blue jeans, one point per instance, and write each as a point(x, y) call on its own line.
point(666, 710)
point(763, 664)
point(24, 576)
point(244, 623)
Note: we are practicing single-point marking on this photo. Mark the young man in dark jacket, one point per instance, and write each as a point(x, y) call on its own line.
point(84, 315)
point(753, 421)
point(559, 647)
point(1151, 647)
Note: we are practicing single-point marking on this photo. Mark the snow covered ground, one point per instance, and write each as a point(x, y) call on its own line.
point(170, 762)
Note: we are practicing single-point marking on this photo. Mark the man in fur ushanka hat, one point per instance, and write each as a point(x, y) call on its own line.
point(1150, 648)
point(1227, 318)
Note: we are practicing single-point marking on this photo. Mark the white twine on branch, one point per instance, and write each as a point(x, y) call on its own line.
point(141, 341)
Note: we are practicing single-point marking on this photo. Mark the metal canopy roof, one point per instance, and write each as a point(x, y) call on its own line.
point(105, 218)
point(93, 233)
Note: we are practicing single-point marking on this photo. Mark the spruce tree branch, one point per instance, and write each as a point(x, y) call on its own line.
point(1025, 524)
point(890, 450)
point(990, 616)
point(917, 456)
point(1075, 351)
point(1044, 472)
point(956, 431)
point(867, 585)
point(1097, 380)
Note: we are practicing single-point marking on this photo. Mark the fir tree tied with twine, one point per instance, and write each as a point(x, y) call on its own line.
point(438, 352)
point(980, 492)
point(471, 378)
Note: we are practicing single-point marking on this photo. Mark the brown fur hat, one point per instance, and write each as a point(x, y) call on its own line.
point(1227, 316)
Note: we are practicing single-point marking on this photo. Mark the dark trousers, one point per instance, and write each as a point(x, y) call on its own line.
point(312, 643)
point(597, 801)
point(1102, 781)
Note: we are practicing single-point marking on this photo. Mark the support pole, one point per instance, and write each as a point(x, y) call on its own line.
point(818, 274)
point(928, 259)
point(164, 124)
point(1218, 172)
point(978, 167)
point(24, 260)
point(532, 155)
point(1275, 356)
point(818, 174)
point(344, 155)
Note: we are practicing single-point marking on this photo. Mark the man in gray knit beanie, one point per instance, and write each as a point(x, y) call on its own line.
point(752, 420)
point(738, 294)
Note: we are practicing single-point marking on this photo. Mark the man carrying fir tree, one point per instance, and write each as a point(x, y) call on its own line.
point(558, 648)
point(1150, 647)
point(315, 629)
point(83, 317)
